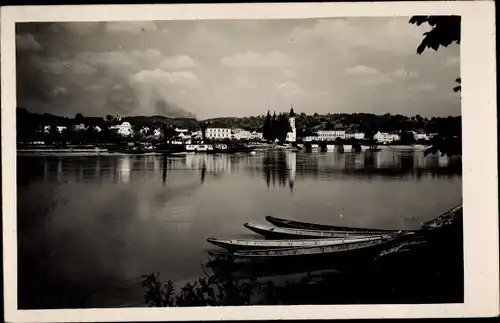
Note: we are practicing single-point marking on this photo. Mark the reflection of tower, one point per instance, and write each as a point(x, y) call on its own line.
point(292, 168)
point(59, 169)
point(46, 170)
point(97, 167)
point(164, 173)
point(80, 171)
point(156, 164)
point(203, 172)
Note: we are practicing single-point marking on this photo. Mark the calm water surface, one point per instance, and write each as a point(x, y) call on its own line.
point(89, 227)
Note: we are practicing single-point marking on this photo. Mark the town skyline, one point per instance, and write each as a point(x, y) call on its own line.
point(234, 68)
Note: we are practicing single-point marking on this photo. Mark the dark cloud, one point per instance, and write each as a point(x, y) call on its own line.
point(240, 67)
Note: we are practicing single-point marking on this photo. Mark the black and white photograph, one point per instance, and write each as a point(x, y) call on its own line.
point(245, 162)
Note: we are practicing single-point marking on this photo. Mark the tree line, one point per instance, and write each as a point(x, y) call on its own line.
point(30, 126)
point(277, 126)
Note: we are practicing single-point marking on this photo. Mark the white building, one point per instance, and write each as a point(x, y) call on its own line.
point(256, 135)
point(218, 133)
point(385, 137)
point(292, 135)
point(310, 138)
point(196, 134)
point(181, 130)
point(331, 135)
point(420, 136)
point(144, 130)
point(355, 135)
point(184, 136)
point(60, 129)
point(156, 133)
point(80, 127)
point(240, 134)
point(124, 129)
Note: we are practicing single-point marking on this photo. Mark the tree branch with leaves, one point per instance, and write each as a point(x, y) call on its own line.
point(446, 30)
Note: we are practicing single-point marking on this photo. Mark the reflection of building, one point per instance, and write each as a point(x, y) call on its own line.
point(354, 161)
point(124, 169)
point(60, 169)
point(443, 161)
point(292, 168)
point(211, 163)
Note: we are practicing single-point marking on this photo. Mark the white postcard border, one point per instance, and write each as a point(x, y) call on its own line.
point(478, 72)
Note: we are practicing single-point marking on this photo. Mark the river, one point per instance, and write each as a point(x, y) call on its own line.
point(90, 226)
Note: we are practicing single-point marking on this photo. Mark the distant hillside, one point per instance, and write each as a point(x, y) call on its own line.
point(26, 119)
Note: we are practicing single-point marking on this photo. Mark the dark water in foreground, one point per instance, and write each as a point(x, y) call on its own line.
point(89, 227)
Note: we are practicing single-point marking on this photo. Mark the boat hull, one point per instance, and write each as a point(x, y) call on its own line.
point(283, 223)
point(288, 233)
point(338, 250)
point(245, 244)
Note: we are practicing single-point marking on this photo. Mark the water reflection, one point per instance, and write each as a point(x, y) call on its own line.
point(278, 168)
point(122, 216)
point(123, 171)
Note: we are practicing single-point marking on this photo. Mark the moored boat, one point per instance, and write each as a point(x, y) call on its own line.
point(239, 148)
point(284, 223)
point(131, 150)
point(283, 253)
point(283, 233)
point(242, 244)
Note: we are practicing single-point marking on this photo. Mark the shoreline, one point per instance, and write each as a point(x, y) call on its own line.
point(98, 150)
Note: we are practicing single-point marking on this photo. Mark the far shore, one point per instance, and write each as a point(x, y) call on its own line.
point(86, 149)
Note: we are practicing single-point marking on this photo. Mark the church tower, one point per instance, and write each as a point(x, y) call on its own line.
point(292, 135)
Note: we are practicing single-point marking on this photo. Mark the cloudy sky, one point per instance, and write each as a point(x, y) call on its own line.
point(234, 68)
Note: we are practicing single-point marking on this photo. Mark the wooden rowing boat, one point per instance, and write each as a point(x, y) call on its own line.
point(284, 253)
point(284, 223)
point(242, 244)
point(284, 233)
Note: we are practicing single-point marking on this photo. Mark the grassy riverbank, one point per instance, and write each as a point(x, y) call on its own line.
point(426, 267)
